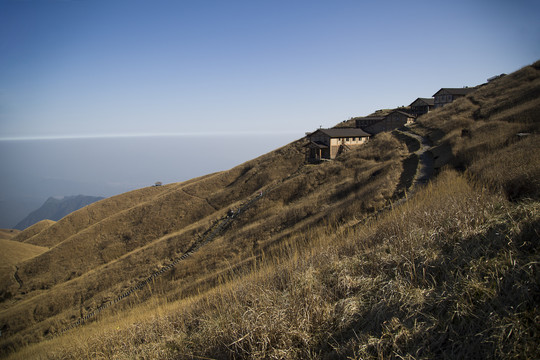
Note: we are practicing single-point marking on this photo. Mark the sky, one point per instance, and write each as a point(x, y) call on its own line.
point(93, 68)
point(100, 97)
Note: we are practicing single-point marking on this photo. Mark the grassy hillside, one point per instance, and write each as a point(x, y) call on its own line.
point(30, 231)
point(55, 209)
point(331, 262)
point(13, 253)
point(107, 247)
point(7, 234)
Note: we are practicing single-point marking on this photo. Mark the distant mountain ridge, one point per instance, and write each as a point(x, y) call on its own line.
point(56, 208)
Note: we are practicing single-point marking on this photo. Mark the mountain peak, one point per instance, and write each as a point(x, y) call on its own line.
point(55, 208)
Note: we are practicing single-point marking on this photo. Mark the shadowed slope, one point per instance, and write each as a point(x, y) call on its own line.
point(84, 270)
point(493, 133)
point(336, 269)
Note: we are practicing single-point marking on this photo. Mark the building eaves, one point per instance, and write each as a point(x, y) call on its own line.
point(424, 101)
point(318, 145)
point(344, 132)
point(456, 91)
point(402, 113)
point(371, 118)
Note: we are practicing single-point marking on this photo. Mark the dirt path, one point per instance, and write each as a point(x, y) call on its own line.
point(424, 169)
point(17, 278)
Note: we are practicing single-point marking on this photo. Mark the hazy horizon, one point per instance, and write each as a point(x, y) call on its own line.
point(74, 74)
point(34, 170)
point(116, 66)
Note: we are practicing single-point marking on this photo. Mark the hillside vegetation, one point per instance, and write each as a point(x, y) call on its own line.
point(13, 253)
point(54, 209)
point(33, 230)
point(345, 259)
point(7, 234)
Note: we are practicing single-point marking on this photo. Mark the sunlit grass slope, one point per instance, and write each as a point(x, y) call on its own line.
point(33, 230)
point(14, 252)
point(103, 249)
point(11, 254)
point(329, 264)
point(8, 234)
point(445, 275)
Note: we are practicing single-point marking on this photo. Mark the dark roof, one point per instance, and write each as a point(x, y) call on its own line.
point(343, 132)
point(400, 112)
point(316, 144)
point(374, 118)
point(456, 91)
point(426, 101)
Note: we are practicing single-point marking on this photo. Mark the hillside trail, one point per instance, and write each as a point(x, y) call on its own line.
point(217, 228)
point(424, 170)
point(417, 171)
point(17, 278)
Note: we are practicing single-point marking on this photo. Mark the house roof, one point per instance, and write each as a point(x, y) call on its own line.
point(342, 132)
point(316, 144)
point(400, 112)
point(371, 118)
point(455, 91)
point(423, 101)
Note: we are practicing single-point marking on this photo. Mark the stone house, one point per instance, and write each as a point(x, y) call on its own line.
point(422, 106)
point(394, 120)
point(447, 95)
point(363, 122)
point(329, 143)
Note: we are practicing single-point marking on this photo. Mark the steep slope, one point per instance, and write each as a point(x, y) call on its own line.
point(13, 253)
point(493, 133)
point(30, 231)
point(87, 265)
point(333, 260)
point(8, 234)
point(55, 209)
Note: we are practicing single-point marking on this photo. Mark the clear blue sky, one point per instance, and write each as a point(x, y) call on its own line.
point(117, 67)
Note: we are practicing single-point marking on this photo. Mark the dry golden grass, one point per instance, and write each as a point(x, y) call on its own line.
point(8, 234)
point(450, 273)
point(14, 252)
point(485, 132)
point(446, 274)
point(33, 230)
point(103, 259)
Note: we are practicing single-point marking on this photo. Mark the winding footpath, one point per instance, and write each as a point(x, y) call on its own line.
point(424, 170)
point(17, 278)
